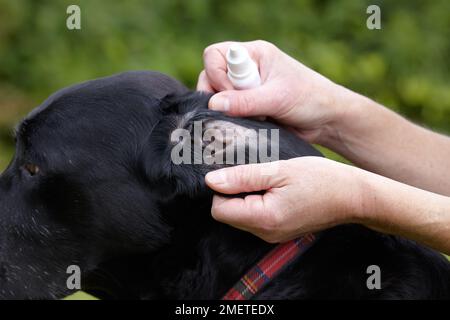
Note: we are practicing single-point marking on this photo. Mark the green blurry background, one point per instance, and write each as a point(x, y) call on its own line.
point(404, 66)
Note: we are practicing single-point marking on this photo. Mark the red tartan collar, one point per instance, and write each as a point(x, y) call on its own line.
point(269, 267)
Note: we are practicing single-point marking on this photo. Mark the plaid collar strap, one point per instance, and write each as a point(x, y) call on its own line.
point(269, 267)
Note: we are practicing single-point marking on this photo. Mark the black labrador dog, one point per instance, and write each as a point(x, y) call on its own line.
point(92, 184)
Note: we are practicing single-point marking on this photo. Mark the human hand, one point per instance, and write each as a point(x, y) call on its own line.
point(290, 92)
point(306, 194)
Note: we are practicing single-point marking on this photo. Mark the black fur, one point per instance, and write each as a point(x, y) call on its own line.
point(108, 198)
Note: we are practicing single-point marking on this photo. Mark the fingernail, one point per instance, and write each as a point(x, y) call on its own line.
point(219, 103)
point(216, 177)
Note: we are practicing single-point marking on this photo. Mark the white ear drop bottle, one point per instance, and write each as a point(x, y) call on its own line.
point(242, 70)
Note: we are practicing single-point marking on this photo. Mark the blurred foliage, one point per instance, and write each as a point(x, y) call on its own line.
point(80, 295)
point(404, 65)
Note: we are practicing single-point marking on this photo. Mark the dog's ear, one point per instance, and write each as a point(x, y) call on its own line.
point(173, 135)
point(178, 151)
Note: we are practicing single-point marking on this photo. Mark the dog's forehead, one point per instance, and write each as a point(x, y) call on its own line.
point(147, 83)
point(105, 101)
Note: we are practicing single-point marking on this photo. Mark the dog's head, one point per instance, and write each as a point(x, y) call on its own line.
point(93, 172)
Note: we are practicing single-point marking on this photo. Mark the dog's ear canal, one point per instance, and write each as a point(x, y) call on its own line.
point(169, 141)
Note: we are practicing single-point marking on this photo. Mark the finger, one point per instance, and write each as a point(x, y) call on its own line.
point(246, 178)
point(215, 63)
point(240, 213)
point(203, 83)
point(260, 101)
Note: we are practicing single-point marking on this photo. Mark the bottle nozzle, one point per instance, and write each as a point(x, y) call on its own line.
point(236, 52)
point(242, 70)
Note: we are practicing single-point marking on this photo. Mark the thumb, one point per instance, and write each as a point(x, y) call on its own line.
point(244, 103)
point(245, 178)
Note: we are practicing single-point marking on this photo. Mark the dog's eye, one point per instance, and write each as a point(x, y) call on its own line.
point(32, 169)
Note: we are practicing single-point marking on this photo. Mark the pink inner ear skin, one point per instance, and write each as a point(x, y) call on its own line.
point(223, 142)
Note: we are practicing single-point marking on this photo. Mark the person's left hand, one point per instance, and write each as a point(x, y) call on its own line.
point(302, 195)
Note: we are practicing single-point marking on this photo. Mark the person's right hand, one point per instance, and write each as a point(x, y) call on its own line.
point(290, 93)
